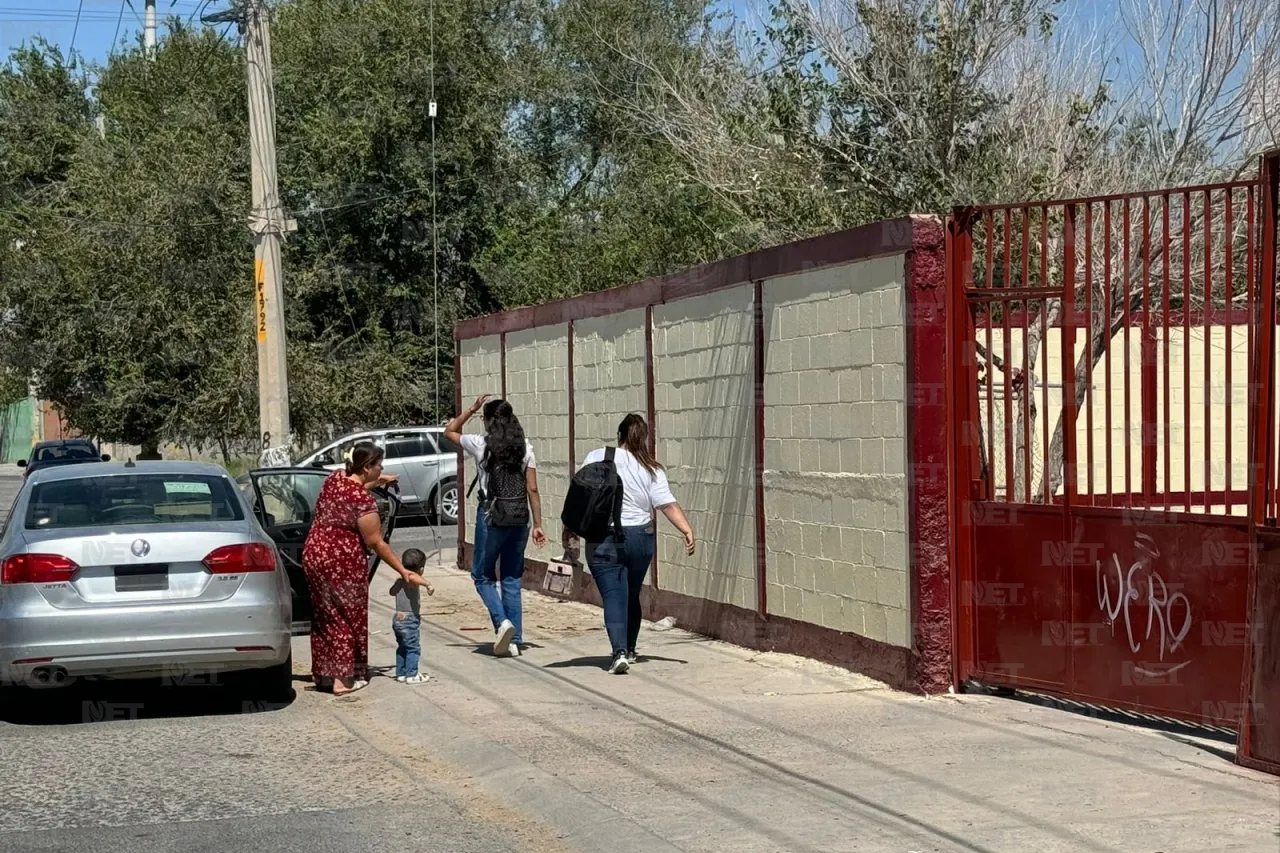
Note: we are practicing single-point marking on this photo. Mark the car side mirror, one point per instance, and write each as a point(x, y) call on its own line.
point(22, 463)
point(106, 457)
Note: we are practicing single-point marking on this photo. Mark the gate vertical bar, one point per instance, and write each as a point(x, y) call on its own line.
point(1229, 302)
point(1186, 351)
point(1262, 455)
point(1069, 355)
point(1147, 381)
point(1208, 363)
point(1069, 467)
point(1166, 328)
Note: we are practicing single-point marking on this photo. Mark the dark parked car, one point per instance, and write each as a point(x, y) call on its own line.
point(284, 501)
point(66, 451)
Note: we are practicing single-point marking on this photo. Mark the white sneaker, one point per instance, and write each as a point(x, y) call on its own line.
point(502, 642)
point(416, 679)
point(400, 678)
point(619, 665)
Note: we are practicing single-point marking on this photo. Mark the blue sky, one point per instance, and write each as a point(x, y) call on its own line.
point(55, 20)
point(100, 20)
point(23, 20)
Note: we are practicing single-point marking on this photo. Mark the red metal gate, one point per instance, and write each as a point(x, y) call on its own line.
point(1115, 443)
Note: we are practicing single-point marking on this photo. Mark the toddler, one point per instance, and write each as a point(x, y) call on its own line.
point(408, 621)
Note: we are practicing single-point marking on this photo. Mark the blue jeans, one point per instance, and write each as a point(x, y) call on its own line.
point(408, 644)
point(619, 569)
point(503, 545)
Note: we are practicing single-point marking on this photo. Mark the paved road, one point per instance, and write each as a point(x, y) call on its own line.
point(140, 769)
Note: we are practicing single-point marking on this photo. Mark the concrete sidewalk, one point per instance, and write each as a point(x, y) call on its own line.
point(709, 747)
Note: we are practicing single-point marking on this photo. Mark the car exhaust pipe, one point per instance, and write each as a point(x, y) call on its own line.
point(46, 675)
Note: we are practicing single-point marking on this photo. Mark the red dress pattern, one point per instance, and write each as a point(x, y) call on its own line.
point(337, 571)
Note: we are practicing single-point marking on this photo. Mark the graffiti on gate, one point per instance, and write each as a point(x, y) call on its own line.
point(1168, 614)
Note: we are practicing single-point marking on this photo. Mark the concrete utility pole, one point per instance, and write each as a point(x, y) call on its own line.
point(268, 223)
point(149, 29)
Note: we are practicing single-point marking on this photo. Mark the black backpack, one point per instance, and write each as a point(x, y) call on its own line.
point(593, 505)
point(506, 499)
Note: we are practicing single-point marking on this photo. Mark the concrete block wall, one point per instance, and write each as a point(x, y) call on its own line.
point(481, 373)
point(704, 392)
point(835, 453)
point(538, 390)
point(785, 441)
point(608, 377)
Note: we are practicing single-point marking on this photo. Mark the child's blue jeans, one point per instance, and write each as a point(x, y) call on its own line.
point(406, 627)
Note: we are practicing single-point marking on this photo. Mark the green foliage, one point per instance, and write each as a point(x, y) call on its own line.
point(579, 145)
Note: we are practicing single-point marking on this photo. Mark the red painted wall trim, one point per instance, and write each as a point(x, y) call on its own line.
point(462, 469)
point(573, 409)
point(866, 241)
point(652, 409)
point(928, 457)
point(502, 349)
point(762, 581)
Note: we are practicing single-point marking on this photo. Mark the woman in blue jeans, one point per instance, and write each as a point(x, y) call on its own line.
point(508, 479)
point(619, 565)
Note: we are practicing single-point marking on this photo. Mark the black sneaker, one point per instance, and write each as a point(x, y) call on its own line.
point(620, 664)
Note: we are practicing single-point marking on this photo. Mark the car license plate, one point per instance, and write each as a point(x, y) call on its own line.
point(148, 578)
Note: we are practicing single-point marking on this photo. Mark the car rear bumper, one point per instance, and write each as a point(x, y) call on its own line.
point(174, 642)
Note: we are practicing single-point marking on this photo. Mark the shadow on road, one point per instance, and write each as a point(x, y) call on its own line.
point(113, 701)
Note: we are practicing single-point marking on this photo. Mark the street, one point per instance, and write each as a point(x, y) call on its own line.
point(703, 747)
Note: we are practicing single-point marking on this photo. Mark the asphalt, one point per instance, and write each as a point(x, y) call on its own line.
point(702, 748)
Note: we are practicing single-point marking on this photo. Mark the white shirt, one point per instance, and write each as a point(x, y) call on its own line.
point(473, 446)
point(642, 492)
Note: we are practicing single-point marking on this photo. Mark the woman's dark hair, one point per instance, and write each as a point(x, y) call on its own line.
point(363, 456)
point(504, 442)
point(633, 436)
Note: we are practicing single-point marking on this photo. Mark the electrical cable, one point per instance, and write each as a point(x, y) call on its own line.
point(115, 39)
point(71, 51)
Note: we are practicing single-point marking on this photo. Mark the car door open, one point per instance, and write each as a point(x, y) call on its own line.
point(284, 501)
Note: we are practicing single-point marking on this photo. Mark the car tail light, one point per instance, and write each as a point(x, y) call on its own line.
point(37, 568)
point(234, 559)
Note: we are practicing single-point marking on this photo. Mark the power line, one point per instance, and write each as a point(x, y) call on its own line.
point(72, 49)
point(115, 39)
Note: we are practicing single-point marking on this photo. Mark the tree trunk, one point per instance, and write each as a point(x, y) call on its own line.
point(1102, 338)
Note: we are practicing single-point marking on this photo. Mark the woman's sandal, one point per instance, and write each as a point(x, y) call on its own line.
point(355, 688)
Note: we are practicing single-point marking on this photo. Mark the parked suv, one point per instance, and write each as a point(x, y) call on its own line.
point(424, 460)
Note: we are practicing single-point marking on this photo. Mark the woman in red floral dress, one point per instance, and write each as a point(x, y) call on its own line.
point(337, 569)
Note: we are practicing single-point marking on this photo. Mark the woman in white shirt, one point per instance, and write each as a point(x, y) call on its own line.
point(507, 474)
point(619, 567)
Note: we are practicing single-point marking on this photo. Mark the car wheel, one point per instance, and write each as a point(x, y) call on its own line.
point(448, 504)
point(271, 685)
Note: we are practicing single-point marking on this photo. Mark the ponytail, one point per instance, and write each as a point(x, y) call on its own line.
point(633, 436)
point(363, 456)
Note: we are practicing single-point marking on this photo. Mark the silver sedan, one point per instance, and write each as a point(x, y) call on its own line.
point(137, 571)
